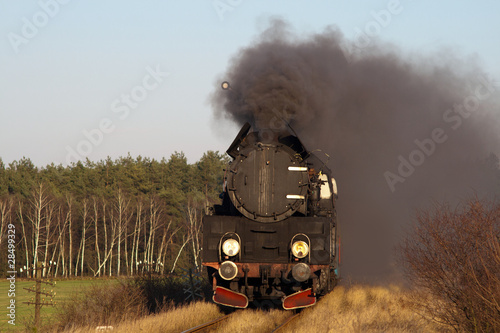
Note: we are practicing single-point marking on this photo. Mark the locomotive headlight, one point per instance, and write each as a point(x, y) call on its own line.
point(228, 270)
point(231, 247)
point(300, 249)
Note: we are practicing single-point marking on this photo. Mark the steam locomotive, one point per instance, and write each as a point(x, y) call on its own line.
point(274, 238)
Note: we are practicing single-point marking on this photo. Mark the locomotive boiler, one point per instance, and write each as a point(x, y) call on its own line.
point(274, 236)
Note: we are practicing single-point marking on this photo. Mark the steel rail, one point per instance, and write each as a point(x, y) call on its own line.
point(206, 325)
point(286, 322)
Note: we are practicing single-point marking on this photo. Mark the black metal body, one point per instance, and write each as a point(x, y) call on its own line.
point(268, 242)
point(276, 193)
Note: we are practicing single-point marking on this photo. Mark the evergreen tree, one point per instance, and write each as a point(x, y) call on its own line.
point(86, 230)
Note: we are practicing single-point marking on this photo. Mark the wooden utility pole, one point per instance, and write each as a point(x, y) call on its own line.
point(38, 294)
point(38, 306)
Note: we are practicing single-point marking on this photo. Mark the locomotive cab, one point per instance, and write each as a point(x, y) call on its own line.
point(274, 237)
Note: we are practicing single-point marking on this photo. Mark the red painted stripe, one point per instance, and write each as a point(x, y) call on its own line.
point(300, 299)
point(228, 297)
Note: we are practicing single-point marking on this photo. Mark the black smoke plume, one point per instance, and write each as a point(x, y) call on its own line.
point(401, 131)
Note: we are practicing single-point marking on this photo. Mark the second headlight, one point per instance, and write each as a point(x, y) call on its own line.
point(231, 247)
point(300, 249)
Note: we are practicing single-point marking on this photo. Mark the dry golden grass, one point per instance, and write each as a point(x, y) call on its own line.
point(354, 309)
point(363, 309)
point(174, 320)
point(254, 321)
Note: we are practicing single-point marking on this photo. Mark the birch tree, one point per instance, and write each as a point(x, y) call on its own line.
point(38, 203)
point(62, 219)
point(81, 249)
point(69, 203)
point(121, 222)
point(5, 215)
point(160, 265)
point(154, 223)
point(134, 262)
point(25, 237)
point(95, 206)
point(49, 218)
point(193, 223)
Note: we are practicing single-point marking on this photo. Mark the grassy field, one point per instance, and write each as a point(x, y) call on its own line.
point(362, 309)
point(354, 309)
point(347, 309)
point(64, 289)
point(357, 309)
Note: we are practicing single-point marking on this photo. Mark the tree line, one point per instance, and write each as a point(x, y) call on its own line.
point(107, 218)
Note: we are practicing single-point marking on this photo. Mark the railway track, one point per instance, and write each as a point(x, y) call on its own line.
point(213, 323)
point(285, 323)
point(209, 324)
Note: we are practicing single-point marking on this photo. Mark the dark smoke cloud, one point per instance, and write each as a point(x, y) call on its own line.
point(402, 131)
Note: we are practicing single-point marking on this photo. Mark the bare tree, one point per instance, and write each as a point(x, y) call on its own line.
point(6, 205)
point(122, 218)
point(193, 223)
point(25, 237)
point(154, 224)
point(108, 244)
point(185, 240)
point(116, 224)
point(38, 203)
point(105, 228)
point(453, 256)
point(95, 206)
point(59, 244)
point(69, 203)
point(160, 265)
point(49, 218)
point(114, 236)
point(81, 249)
point(136, 237)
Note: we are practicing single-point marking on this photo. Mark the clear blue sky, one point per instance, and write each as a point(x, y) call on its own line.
point(68, 65)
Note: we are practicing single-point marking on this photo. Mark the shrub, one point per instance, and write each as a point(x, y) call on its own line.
point(162, 291)
point(453, 256)
point(109, 303)
point(102, 304)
